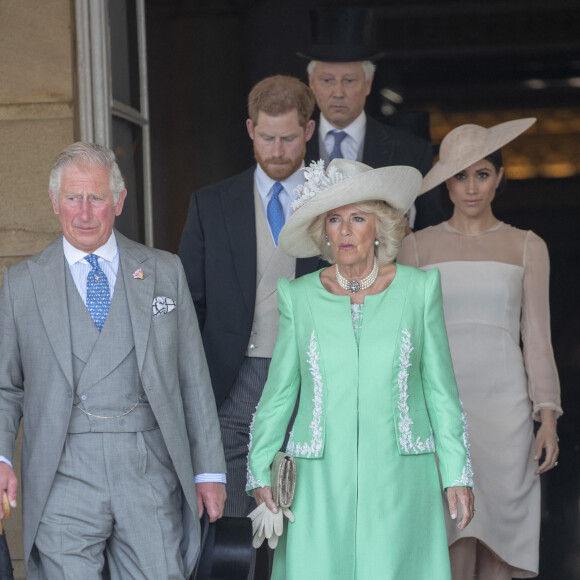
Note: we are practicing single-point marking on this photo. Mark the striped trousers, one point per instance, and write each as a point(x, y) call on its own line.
point(235, 415)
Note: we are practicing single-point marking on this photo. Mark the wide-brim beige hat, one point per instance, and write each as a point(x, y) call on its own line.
point(468, 144)
point(344, 182)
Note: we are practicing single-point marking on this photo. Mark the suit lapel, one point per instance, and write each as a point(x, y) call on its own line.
point(379, 148)
point(48, 278)
point(139, 291)
point(237, 205)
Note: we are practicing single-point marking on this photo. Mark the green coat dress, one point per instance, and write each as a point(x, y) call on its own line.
point(375, 402)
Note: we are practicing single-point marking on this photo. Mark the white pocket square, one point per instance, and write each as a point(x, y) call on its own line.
point(163, 305)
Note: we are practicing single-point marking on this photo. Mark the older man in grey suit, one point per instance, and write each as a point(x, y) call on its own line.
point(122, 446)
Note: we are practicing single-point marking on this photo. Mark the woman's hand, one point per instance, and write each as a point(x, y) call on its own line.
point(547, 441)
point(463, 495)
point(267, 519)
point(264, 494)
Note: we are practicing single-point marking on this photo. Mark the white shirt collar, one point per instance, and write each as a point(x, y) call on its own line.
point(356, 129)
point(265, 182)
point(106, 251)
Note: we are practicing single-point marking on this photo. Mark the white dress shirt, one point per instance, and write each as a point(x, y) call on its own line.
point(79, 268)
point(264, 183)
point(352, 145)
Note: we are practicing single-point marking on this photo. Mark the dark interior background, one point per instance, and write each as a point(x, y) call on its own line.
point(458, 61)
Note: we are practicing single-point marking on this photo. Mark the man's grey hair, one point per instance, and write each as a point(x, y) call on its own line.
point(367, 66)
point(86, 155)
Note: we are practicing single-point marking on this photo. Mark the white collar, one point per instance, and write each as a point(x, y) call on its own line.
point(106, 251)
point(265, 182)
point(356, 129)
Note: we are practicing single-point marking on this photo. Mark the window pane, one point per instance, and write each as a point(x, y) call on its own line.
point(128, 147)
point(124, 52)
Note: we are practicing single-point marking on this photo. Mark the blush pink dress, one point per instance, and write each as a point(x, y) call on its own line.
point(495, 299)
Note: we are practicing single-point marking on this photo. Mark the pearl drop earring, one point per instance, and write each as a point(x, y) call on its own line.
point(377, 242)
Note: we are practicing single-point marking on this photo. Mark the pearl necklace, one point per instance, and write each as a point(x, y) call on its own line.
point(354, 286)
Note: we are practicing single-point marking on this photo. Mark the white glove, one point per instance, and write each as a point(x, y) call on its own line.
point(267, 525)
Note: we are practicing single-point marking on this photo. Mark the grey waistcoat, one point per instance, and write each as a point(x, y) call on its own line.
point(272, 264)
point(105, 371)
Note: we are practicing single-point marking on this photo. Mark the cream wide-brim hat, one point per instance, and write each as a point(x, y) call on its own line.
point(397, 185)
point(468, 144)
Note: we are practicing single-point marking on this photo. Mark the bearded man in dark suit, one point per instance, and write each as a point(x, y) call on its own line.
point(232, 263)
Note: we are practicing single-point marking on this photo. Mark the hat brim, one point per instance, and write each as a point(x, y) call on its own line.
point(341, 53)
point(468, 144)
point(397, 185)
point(225, 549)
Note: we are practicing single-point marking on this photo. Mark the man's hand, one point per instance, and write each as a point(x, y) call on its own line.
point(9, 483)
point(212, 496)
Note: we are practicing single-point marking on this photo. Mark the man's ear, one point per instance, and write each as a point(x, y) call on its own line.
point(369, 85)
point(250, 128)
point(54, 203)
point(120, 201)
point(309, 130)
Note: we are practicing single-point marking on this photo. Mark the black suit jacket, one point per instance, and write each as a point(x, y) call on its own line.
point(218, 251)
point(385, 146)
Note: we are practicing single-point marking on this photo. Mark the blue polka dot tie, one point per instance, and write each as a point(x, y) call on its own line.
point(98, 292)
point(336, 153)
point(275, 212)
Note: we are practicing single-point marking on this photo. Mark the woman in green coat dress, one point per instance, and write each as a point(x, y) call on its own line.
point(364, 346)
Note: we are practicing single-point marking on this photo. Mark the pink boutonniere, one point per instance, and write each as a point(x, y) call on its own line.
point(138, 274)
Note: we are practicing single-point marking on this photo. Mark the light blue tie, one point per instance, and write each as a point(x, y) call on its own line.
point(275, 212)
point(336, 153)
point(98, 292)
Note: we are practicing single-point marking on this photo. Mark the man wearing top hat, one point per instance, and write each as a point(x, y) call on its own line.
point(340, 73)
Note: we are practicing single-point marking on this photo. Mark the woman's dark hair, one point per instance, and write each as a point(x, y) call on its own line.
point(496, 159)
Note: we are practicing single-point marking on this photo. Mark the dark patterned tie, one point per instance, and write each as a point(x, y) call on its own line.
point(276, 212)
point(336, 153)
point(98, 292)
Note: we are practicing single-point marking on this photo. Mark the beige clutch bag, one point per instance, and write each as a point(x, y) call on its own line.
point(283, 478)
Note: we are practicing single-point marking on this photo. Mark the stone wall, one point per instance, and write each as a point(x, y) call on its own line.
point(36, 122)
point(36, 118)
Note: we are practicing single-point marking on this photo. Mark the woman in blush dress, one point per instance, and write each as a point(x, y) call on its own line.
point(494, 279)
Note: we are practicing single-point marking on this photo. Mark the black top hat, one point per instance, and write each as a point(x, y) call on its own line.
point(225, 549)
point(341, 34)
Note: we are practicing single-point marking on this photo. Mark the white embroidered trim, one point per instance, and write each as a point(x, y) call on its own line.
point(251, 481)
point(356, 312)
point(405, 433)
point(315, 447)
point(466, 478)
